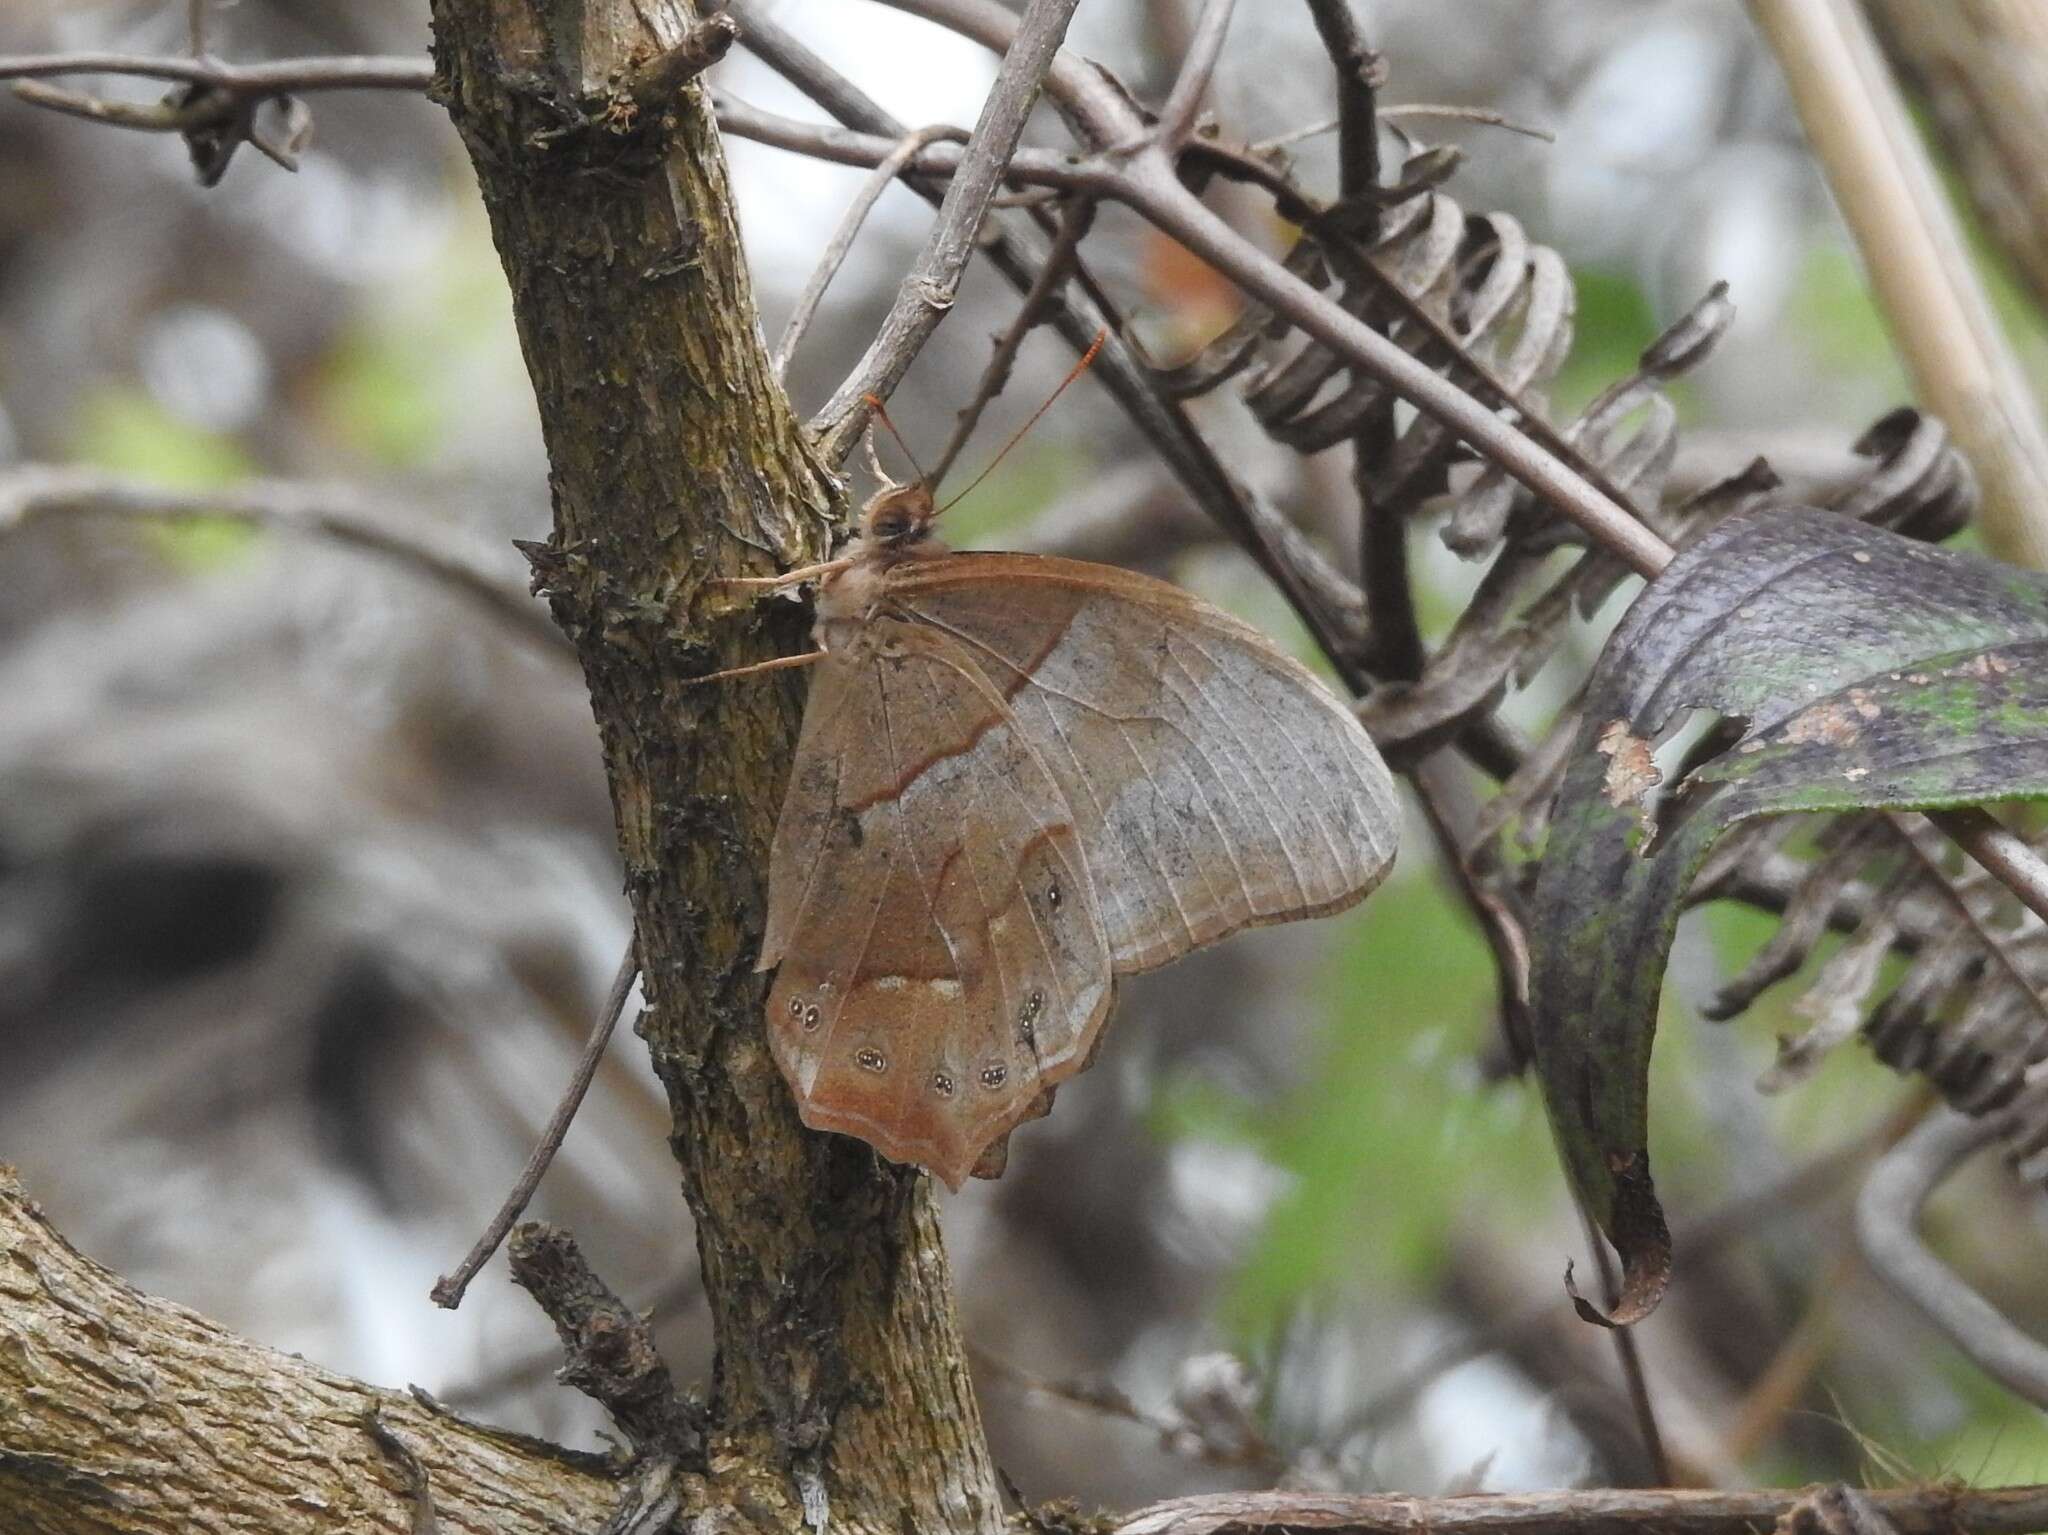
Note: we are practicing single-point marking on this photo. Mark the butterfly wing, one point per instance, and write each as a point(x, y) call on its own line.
point(942, 960)
point(1215, 782)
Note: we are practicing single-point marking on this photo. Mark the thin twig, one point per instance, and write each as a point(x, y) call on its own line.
point(1175, 1433)
point(278, 77)
point(1936, 1509)
point(448, 1289)
point(928, 290)
point(29, 491)
point(836, 250)
point(1886, 1213)
point(1059, 265)
point(1197, 68)
point(2004, 855)
point(168, 116)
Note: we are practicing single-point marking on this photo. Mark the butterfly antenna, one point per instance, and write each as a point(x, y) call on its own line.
point(882, 414)
point(1017, 436)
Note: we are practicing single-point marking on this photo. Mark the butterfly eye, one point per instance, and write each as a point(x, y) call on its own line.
point(994, 1076)
point(796, 1007)
point(1034, 1005)
point(1052, 894)
point(871, 1060)
point(942, 1084)
point(811, 1016)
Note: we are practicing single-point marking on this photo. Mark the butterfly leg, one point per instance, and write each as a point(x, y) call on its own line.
point(788, 578)
point(776, 665)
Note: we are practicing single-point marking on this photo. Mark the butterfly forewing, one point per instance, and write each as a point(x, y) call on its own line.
point(1215, 783)
point(942, 956)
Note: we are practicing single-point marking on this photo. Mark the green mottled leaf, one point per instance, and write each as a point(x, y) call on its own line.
point(1867, 671)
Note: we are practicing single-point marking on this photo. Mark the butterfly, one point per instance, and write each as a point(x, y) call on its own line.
point(1019, 778)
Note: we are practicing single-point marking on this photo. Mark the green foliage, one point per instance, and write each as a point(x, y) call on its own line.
point(1389, 1132)
point(126, 431)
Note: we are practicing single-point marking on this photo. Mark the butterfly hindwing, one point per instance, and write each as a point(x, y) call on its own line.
point(942, 958)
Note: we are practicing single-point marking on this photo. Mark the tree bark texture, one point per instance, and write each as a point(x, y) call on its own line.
point(676, 459)
point(1982, 68)
point(121, 1414)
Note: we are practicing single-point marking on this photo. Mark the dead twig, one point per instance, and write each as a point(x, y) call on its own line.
point(448, 1290)
point(609, 1348)
point(1886, 1213)
point(654, 85)
point(836, 249)
point(1484, 117)
point(278, 77)
point(1930, 1510)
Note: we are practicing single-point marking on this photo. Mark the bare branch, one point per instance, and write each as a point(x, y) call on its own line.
point(928, 291)
point(1886, 1213)
point(1933, 1510)
point(448, 1290)
point(610, 1349)
point(2008, 859)
point(345, 516)
point(886, 170)
point(1197, 68)
point(279, 77)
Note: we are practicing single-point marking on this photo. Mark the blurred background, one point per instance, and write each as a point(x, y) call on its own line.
point(308, 892)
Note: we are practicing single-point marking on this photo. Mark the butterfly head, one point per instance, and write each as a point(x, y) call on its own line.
point(898, 518)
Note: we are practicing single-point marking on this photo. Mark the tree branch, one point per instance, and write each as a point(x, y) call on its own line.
point(1935, 1510)
point(278, 77)
point(886, 171)
point(1886, 1213)
point(127, 1415)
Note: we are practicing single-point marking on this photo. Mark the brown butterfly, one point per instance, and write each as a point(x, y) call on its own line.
point(1019, 778)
